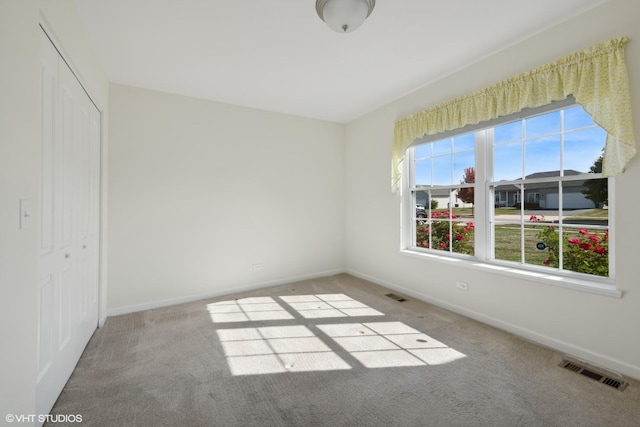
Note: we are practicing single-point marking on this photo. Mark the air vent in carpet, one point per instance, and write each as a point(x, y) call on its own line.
point(597, 374)
point(396, 297)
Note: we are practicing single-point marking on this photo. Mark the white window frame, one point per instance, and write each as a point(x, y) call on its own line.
point(484, 207)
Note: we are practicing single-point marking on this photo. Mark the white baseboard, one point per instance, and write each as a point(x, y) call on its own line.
point(581, 353)
point(218, 292)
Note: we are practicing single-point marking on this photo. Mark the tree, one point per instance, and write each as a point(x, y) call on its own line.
point(467, 194)
point(597, 190)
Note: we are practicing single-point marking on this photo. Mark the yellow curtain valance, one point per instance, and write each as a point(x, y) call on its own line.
point(596, 77)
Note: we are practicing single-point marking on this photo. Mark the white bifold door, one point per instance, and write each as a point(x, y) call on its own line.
point(69, 214)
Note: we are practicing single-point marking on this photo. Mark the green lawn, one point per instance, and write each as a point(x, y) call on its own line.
point(507, 244)
point(593, 214)
point(506, 211)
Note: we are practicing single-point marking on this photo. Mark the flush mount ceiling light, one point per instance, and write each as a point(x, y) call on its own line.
point(344, 16)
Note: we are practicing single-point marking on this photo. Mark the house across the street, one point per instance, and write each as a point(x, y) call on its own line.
point(545, 195)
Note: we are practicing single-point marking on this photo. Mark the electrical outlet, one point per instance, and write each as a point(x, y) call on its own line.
point(462, 286)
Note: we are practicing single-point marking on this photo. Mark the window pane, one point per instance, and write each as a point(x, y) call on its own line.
point(422, 234)
point(462, 161)
point(532, 255)
point(545, 124)
point(506, 196)
point(465, 197)
point(422, 151)
point(586, 237)
point(582, 148)
point(423, 172)
point(545, 195)
point(576, 117)
point(538, 196)
point(442, 170)
point(507, 162)
point(440, 201)
point(440, 235)
point(589, 194)
point(508, 132)
point(462, 240)
point(507, 242)
point(542, 157)
point(421, 199)
point(464, 142)
point(545, 251)
point(586, 250)
point(441, 147)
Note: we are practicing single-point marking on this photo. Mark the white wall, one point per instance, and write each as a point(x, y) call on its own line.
point(19, 74)
point(19, 166)
point(599, 328)
point(201, 191)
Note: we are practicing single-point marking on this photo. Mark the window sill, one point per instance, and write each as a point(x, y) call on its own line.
point(593, 287)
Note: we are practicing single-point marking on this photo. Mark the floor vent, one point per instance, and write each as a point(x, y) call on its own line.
point(396, 297)
point(597, 374)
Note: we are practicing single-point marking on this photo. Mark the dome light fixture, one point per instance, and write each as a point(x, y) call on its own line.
point(344, 16)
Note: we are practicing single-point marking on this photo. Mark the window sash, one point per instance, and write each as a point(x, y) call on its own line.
point(484, 241)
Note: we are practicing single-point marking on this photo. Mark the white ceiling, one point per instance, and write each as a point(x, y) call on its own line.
point(277, 55)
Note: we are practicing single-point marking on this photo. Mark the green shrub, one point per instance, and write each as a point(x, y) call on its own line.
point(459, 236)
point(584, 252)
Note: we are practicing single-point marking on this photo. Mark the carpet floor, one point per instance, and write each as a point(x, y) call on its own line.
point(333, 351)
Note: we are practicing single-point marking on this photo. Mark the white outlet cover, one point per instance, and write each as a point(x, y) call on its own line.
point(462, 286)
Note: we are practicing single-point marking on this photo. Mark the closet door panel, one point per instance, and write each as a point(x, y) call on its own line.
point(68, 245)
point(48, 242)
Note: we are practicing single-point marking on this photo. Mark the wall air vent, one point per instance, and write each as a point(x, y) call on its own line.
point(396, 297)
point(598, 374)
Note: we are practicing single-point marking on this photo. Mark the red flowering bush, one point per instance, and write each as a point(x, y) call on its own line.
point(446, 232)
point(587, 252)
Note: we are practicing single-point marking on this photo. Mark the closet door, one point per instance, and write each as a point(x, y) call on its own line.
point(88, 225)
point(68, 244)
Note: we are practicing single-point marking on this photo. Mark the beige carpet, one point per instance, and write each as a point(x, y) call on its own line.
point(327, 352)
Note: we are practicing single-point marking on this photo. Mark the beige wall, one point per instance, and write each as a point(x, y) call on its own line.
point(201, 191)
point(599, 328)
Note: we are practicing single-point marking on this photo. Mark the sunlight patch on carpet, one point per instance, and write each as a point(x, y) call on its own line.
point(247, 309)
point(277, 349)
point(296, 348)
point(328, 305)
point(388, 344)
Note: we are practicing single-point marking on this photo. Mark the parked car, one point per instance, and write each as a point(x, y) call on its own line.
point(421, 212)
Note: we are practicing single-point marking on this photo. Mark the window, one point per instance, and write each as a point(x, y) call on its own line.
point(448, 223)
point(533, 181)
